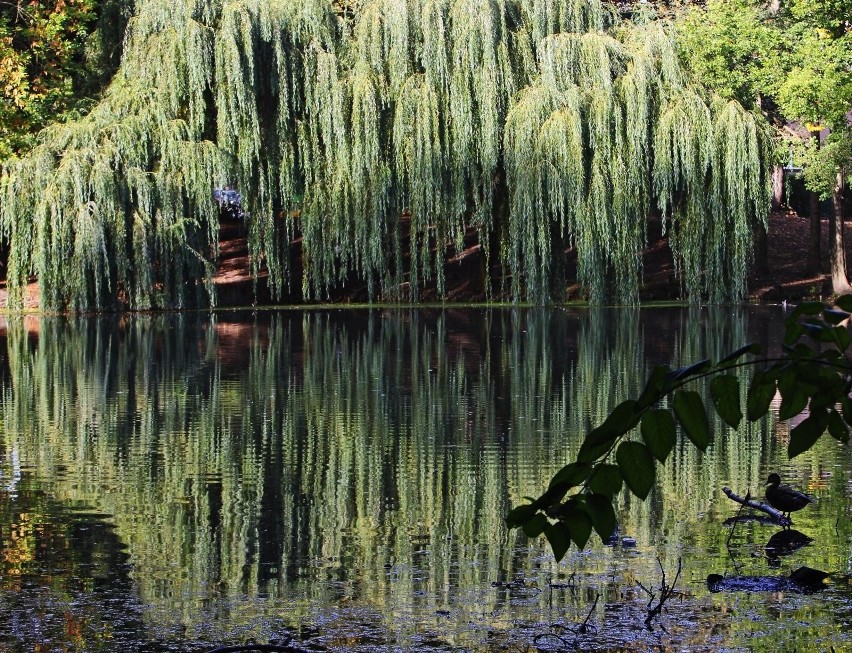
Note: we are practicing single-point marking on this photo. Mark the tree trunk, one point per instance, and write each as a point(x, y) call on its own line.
point(839, 281)
point(813, 263)
point(492, 237)
point(777, 187)
point(761, 249)
point(814, 260)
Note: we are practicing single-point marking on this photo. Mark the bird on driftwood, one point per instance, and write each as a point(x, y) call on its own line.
point(783, 497)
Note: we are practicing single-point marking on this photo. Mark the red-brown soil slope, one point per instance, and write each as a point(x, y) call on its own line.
point(786, 279)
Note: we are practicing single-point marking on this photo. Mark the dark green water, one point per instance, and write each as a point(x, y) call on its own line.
point(178, 482)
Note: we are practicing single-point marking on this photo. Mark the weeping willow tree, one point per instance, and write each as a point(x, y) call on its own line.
point(377, 135)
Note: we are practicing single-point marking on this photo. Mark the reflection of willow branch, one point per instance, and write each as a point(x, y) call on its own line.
point(534, 394)
point(316, 443)
point(710, 332)
point(734, 527)
point(612, 346)
point(610, 365)
point(738, 453)
point(383, 437)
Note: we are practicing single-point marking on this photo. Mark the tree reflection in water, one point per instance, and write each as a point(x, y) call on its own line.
point(349, 471)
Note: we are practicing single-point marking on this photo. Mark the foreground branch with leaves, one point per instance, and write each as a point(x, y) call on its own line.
point(813, 375)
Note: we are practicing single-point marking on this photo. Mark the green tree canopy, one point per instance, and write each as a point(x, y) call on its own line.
point(732, 45)
point(818, 85)
point(798, 58)
point(379, 132)
point(54, 54)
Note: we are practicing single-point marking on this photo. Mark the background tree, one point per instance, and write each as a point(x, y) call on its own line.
point(54, 56)
point(731, 46)
point(817, 90)
point(793, 60)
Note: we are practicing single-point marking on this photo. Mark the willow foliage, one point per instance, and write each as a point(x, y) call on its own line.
point(379, 132)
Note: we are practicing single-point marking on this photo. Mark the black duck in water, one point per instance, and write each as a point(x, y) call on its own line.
point(783, 497)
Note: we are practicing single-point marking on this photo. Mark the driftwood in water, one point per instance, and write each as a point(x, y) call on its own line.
point(777, 515)
point(803, 579)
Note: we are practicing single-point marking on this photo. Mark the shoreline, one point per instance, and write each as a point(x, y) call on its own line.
point(785, 281)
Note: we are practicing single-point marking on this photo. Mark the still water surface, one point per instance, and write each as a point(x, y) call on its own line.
point(177, 482)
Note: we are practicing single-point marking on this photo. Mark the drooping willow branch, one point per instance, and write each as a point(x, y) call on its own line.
point(357, 129)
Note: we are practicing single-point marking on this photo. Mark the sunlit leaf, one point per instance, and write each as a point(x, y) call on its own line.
point(689, 408)
point(659, 433)
point(725, 392)
point(636, 465)
point(559, 537)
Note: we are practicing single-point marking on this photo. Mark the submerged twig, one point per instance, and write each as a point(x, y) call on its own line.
point(580, 629)
point(569, 583)
point(666, 592)
point(739, 512)
point(583, 628)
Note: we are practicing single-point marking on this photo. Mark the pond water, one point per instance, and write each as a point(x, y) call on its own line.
point(340, 477)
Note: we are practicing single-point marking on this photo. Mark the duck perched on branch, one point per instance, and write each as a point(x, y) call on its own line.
point(783, 497)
